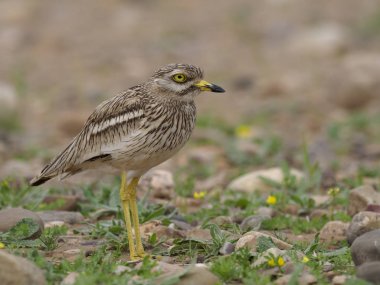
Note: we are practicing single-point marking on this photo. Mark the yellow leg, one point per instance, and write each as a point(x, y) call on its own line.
point(125, 201)
point(135, 216)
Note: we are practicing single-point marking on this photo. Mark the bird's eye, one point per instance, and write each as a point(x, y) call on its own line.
point(179, 78)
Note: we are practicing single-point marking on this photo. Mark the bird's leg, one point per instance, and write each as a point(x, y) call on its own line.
point(135, 215)
point(125, 201)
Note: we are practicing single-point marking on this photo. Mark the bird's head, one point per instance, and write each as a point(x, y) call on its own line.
point(183, 80)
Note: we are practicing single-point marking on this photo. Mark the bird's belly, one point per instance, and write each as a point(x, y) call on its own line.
point(146, 157)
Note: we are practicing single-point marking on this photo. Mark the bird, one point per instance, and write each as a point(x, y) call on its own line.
point(133, 132)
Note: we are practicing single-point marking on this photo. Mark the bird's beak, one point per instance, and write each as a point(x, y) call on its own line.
point(205, 86)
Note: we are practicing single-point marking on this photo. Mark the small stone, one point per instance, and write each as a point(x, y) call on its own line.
point(265, 211)
point(360, 198)
point(148, 227)
point(222, 221)
point(320, 200)
point(199, 234)
point(305, 279)
point(361, 223)
point(164, 233)
point(366, 248)
point(339, 280)
point(71, 252)
point(253, 182)
point(227, 248)
point(54, 224)
point(319, 213)
point(327, 266)
point(250, 240)
point(207, 154)
point(369, 271)
point(333, 231)
point(181, 225)
point(292, 209)
point(199, 274)
point(270, 252)
point(253, 223)
point(20, 271)
point(160, 183)
point(121, 269)
point(65, 216)
point(64, 202)
point(70, 278)
point(10, 217)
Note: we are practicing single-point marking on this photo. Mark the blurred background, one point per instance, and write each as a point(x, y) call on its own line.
point(296, 73)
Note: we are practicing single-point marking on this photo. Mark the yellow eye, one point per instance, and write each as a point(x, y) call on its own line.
point(179, 78)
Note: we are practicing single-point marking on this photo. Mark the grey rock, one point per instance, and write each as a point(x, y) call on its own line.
point(251, 239)
point(266, 211)
point(270, 252)
point(361, 223)
point(70, 278)
point(333, 231)
point(227, 248)
point(366, 248)
point(222, 221)
point(199, 274)
point(305, 279)
point(10, 217)
point(339, 280)
point(160, 183)
point(253, 182)
point(253, 223)
point(65, 216)
point(369, 271)
point(360, 198)
point(15, 270)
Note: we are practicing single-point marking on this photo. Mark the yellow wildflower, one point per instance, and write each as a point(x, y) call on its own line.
point(2, 245)
point(333, 191)
point(271, 200)
point(276, 262)
point(243, 131)
point(280, 261)
point(272, 262)
point(305, 259)
point(199, 195)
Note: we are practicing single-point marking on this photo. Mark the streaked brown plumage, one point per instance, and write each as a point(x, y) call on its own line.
point(136, 130)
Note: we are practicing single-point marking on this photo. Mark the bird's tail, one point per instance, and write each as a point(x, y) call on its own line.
point(59, 165)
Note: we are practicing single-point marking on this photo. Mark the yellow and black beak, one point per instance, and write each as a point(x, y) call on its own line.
point(205, 86)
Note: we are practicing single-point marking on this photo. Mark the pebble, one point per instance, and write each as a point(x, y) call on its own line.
point(71, 252)
point(266, 211)
point(366, 248)
point(369, 271)
point(66, 202)
point(227, 248)
point(252, 182)
point(121, 269)
point(199, 274)
point(360, 198)
point(270, 252)
point(361, 223)
point(318, 213)
point(305, 279)
point(222, 221)
point(10, 217)
point(70, 278)
point(253, 223)
point(54, 224)
point(339, 280)
point(250, 240)
point(334, 231)
point(20, 271)
point(160, 183)
point(199, 234)
point(65, 216)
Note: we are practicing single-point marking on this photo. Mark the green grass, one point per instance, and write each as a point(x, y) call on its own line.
point(104, 224)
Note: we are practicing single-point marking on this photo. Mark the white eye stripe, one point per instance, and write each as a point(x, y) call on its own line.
point(99, 127)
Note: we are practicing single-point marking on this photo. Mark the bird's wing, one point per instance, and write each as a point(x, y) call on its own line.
point(110, 123)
